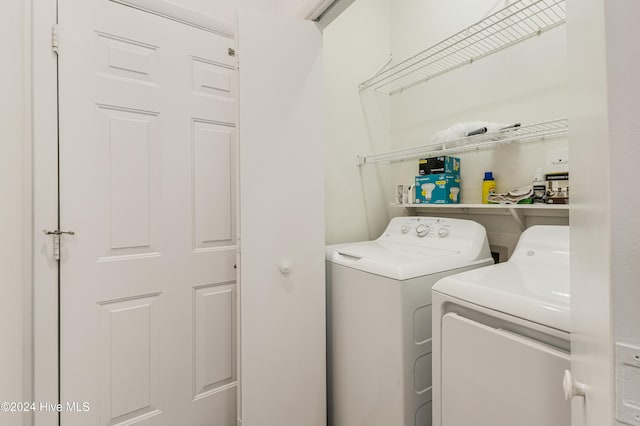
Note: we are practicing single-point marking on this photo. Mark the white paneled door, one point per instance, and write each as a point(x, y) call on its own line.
point(282, 216)
point(147, 183)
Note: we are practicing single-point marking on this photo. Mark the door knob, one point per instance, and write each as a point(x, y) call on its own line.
point(571, 387)
point(285, 267)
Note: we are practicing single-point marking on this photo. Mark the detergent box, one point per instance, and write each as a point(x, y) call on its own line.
point(436, 165)
point(441, 188)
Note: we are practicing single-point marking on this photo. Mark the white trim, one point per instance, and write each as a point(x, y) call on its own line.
point(238, 231)
point(45, 207)
point(333, 11)
point(319, 7)
point(169, 10)
point(28, 215)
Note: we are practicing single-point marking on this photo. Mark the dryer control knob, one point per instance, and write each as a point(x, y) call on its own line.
point(422, 230)
point(404, 229)
point(443, 232)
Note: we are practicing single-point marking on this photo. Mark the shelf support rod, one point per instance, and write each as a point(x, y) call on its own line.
point(518, 215)
point(380, 69)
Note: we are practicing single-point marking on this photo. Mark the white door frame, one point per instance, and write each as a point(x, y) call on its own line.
point(45, 208)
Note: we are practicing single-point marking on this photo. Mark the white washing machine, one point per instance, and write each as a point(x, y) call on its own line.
point(501, 338)
point(379, 317)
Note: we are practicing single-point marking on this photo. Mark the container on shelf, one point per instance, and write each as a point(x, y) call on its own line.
point(488, 186)
point(441, 188)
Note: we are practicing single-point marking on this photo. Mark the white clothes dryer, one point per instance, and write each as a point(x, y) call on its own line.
point(379, 317)
point(501, 338)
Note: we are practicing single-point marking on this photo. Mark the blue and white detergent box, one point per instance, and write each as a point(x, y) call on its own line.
point(438, 189)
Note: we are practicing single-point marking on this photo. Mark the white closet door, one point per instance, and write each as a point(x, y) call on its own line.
point(147, 150)
point(282, 222)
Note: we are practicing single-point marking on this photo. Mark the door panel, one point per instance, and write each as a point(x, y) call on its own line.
point(490, 376)
point(147, 182)
point(128, 341)
point(282, 216)
point(211, 172)
point(215, 313)
point(132, 153)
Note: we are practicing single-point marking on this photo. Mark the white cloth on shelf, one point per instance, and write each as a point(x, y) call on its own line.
point(513, 196)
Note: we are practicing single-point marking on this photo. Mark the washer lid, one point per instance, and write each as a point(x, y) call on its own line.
point(398, 254)
point(533, 284)
point(397, 261)
point(414, 246)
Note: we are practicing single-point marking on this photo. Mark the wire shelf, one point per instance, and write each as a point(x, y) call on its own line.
point(513, 24)
point(530, 132)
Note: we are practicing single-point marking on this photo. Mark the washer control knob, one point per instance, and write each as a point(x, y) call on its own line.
point(404, 229)
point(422, 230)
point(443, 232)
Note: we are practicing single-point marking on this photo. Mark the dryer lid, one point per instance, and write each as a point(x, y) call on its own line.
point(533, 284)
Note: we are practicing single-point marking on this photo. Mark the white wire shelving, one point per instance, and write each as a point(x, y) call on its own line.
point(525, 133)
point(518, 211)
point(550, 207)
point(515, 23)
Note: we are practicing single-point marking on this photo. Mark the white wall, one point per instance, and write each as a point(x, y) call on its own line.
point(527, 84)
point(356, 44)
point(13, 222)
point(524, 84)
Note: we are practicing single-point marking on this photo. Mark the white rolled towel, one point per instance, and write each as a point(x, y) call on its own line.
point(461, 130)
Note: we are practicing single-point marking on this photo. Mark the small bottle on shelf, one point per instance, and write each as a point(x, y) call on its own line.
point(488, 186)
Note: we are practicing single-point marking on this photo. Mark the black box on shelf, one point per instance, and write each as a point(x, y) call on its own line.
point(439, 165)
point(558, 188)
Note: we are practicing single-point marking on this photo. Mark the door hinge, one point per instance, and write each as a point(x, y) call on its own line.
point(56, 240)
point(55, 39)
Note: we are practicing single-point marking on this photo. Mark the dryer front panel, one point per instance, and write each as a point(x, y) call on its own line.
point(495, 377)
